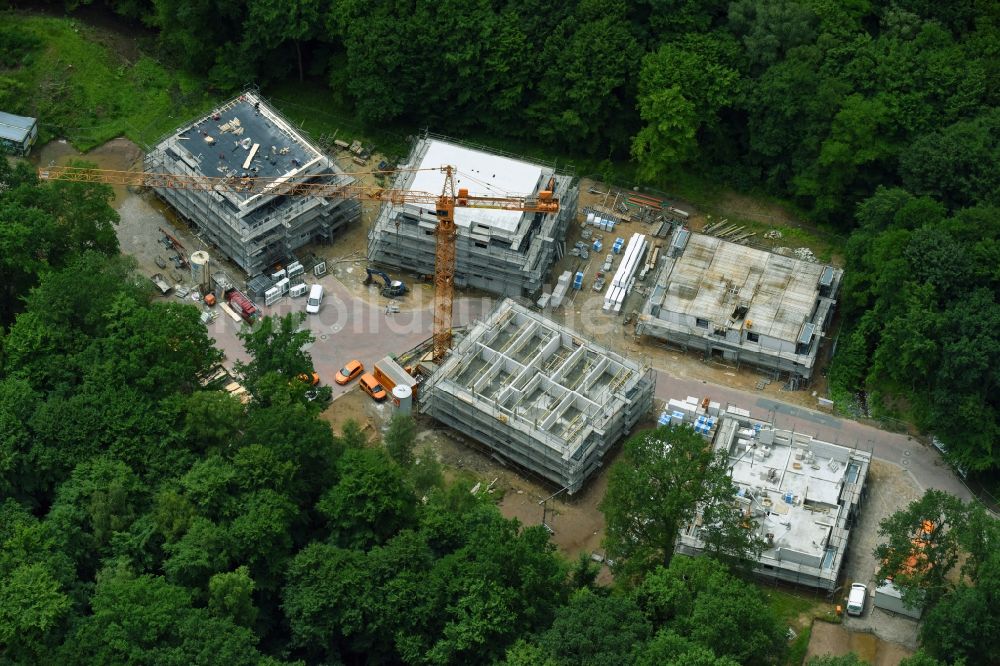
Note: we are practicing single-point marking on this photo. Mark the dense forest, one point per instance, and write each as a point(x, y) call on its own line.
point(879, 120)
point(148, 519)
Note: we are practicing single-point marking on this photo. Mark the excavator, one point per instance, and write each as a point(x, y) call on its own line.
point(390, 288)
point(444, 204)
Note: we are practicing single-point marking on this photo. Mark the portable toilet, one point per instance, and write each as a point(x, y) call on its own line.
point(578, 280)
point(598, 245)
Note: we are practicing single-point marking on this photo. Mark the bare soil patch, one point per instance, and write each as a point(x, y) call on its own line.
point(834, 639)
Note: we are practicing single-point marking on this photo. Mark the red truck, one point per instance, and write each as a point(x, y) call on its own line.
point(241, 304)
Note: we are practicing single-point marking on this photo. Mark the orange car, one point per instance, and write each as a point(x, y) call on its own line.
point(371, 386)
point(349, 372)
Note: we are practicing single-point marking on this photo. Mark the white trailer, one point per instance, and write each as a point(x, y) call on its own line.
point(889, 598)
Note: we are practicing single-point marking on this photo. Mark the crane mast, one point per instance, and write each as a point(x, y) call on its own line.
point(444, 203)
point(444, 267)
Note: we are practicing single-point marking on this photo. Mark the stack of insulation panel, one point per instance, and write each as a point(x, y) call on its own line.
point(625, 276)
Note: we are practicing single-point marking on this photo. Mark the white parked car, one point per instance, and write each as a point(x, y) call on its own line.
point(856, 599)
point(939, 445)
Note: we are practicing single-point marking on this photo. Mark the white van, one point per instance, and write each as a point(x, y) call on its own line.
point(315, 299)
point(856, 599)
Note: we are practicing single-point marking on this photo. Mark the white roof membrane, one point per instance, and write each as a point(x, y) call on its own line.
point(484, 174)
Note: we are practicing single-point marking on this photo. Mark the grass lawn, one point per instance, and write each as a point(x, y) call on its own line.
point(82, 88)
point(797, 611)
point(316, 110)
point(826, 246)
point(790, 607)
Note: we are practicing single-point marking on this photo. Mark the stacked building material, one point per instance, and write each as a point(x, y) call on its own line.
point(625, 275)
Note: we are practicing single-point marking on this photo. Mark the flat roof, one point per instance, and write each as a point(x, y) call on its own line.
point(713, 276)
point(15, 128)
point(234, 129)
point(484, 174)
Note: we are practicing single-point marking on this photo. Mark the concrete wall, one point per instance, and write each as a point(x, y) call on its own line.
point(536, 395)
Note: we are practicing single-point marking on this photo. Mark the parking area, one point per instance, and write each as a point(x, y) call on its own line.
point(890, 488)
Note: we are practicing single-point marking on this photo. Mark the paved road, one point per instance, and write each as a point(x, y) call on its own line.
point(923, 462)
point(348, 327)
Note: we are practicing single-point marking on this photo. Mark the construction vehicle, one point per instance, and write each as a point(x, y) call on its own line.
point(444, 209)
point(391, 374)
point(390, 288)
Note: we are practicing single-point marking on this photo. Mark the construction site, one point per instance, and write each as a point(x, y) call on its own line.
point(746, 305)
point(801, 494)
point(538, 394)
point(527, 409)
point(246, 139)
point(504, 252)
point(542, 398)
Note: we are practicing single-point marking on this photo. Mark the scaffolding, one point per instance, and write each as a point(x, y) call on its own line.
point(246, 137)
point(538, 395)
point(504, 253)
point(745, 305)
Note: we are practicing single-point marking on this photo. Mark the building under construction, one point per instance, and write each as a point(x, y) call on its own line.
point(744, 304)
point(801, 495)
point(500, 251)
point(246, 138)
point(538, 394)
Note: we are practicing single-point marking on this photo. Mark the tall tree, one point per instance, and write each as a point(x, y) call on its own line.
point(370, 503)
point(699, 600)
point(596, 630)
point(683, 87)
point(921, 546)
point(399, 439)
point(47, 226)
point(657, 486)
point(958, 164)
point(275, 345)
point(146, 620)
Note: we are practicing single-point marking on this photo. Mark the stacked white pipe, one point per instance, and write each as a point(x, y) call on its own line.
point(624, 277)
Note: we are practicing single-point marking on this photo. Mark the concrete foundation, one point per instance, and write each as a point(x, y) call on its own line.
point(802, 495)
point(538, 394)
point(742, 304)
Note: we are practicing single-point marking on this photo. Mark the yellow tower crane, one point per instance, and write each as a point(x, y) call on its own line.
point(444, 203)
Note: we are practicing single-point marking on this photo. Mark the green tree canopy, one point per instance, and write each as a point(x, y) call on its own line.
point(661, 480)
